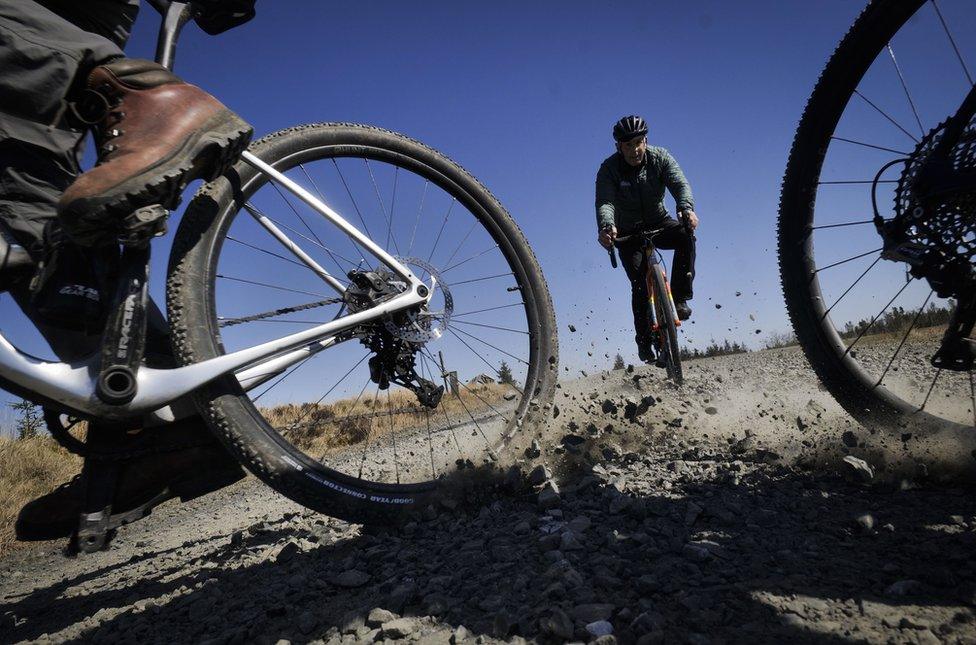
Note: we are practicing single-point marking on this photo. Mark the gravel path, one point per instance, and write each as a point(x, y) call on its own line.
point(719, 512)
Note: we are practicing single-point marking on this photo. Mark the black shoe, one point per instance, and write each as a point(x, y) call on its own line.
point(682, 309)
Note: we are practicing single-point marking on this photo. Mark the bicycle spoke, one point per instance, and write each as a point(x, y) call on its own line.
point(270, 286)
point(423, 199)
point(331, 389)
point(355, 206)
point(316, 242)
point(473, 257)
point(830, 266)
point(904, 86)
point(867, 221)
point(487, 277)
point(880, 313)
point(931, 387)
point(484, 343)
point(369, 431)
point(478, 311)
point(389, 229)
point(450, 424)
point(516, 331)
point(477, 396)
point(437, 240)
point(477, 425)
point(953, 43)
point(355, 245)
point(848, 182)
point(859, 278)
point(396, 459)
point(430, 439)
point(885, 115)
point(463, 240)
point(904, 338)
point(283, 377)
point(972, 396)
point(870, 145)
point(376, 188)
point(271, 253)
point(274, 185)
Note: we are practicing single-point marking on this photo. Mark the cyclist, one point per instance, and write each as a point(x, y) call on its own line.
point(630, 189)
point(62, 70)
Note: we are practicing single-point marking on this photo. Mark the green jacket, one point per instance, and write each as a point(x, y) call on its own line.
point(633, 197)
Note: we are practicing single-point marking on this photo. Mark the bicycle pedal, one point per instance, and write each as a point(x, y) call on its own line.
point(143, 224)
point(93, 533)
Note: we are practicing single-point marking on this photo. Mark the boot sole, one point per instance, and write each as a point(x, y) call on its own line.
point(186, 489)
point(206, 155)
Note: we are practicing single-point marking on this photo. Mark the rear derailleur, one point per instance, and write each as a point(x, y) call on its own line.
point(394, 359)
point(394, 362)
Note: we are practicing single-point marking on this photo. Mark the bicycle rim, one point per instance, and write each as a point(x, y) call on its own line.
point(486, 337)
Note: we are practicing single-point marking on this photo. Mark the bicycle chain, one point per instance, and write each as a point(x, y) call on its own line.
point(278, 312)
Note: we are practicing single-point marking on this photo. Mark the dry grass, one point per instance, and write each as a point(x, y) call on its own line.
point(919, 333)
point(323, 428)
point(29, 468)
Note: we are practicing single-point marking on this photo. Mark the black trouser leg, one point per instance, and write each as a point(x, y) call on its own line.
point(635, 264)
point(675, 237)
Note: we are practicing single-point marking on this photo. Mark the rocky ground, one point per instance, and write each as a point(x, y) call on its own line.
point(720, 511)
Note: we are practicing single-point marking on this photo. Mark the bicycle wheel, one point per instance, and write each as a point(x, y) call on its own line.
point(866, 326)
point(331, 431)
point(668, 330)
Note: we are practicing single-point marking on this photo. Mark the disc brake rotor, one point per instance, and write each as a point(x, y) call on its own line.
point(424, 325)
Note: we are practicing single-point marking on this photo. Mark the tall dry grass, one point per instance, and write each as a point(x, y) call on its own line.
point(29, 468)
point(327, 427)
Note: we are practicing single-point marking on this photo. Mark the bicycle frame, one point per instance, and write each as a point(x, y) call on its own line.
point(652, 261)
point(72, 386)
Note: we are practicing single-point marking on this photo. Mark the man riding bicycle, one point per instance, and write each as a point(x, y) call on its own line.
point(630, 189)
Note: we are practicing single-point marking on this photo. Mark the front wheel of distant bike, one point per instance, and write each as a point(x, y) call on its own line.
point(386, 416)
point(668, 348)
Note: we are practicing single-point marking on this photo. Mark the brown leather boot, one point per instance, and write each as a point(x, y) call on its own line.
point(143, 482)
point(155, 134)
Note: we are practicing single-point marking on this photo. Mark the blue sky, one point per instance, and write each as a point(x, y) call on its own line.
point(523, 95)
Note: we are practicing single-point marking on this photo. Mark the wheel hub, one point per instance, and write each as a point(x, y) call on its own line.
point(423, 325)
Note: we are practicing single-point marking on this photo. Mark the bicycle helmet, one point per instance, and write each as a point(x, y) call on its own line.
point(629, 127)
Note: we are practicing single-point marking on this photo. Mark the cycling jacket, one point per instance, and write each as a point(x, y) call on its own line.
point(632, 197)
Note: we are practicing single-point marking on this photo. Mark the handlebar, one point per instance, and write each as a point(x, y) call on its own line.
point(648, 234)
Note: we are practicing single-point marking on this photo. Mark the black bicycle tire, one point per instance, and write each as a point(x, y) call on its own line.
point(222, 402)
point(840, 373)
point(668, 329)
